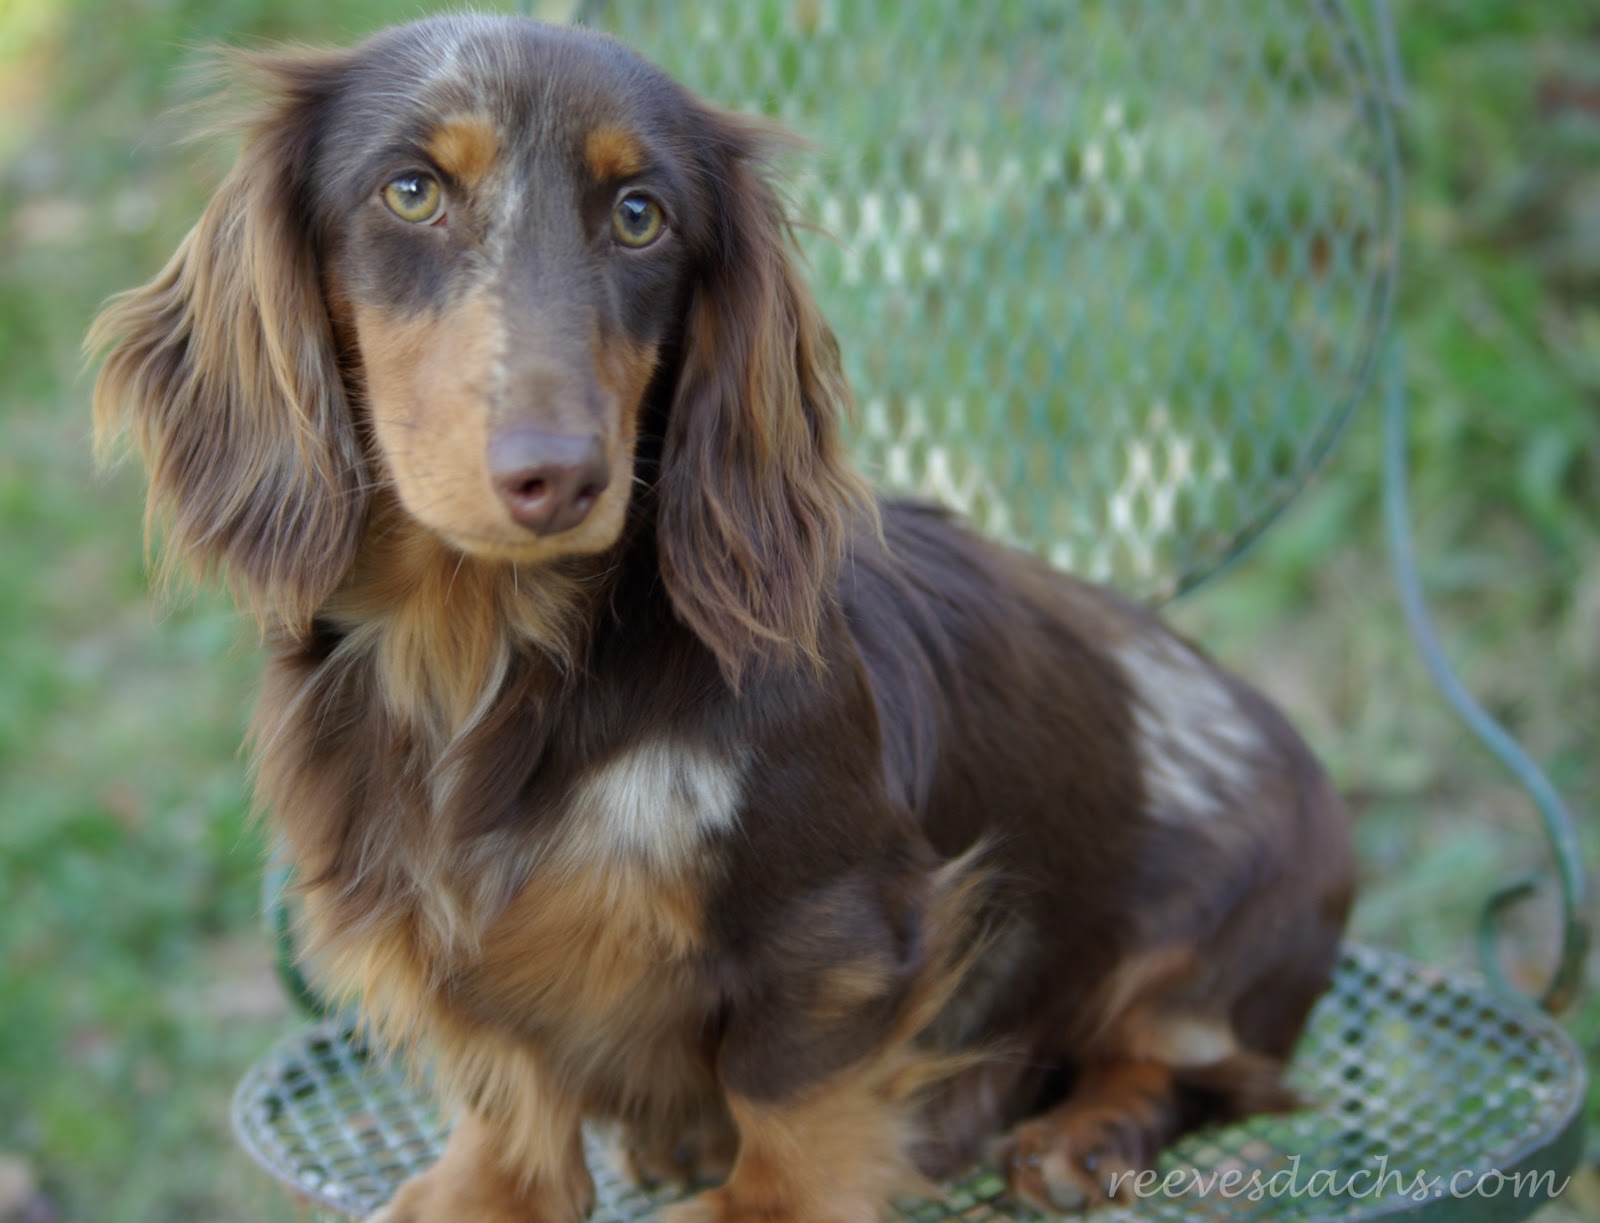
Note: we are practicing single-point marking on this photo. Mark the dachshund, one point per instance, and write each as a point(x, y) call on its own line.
point(639, 765)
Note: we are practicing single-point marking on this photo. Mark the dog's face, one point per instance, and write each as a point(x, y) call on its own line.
point(529, 289)
point(511, 222)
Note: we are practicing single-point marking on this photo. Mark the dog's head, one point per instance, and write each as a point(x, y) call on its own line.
point(525, 285)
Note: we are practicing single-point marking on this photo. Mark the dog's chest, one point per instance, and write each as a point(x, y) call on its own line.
point(580, 961)
point(599, 959)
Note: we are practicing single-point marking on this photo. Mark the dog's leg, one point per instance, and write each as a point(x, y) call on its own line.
point(477, 1180)
point(1085, 1151)
point(837, 1153)
point(688, 1154)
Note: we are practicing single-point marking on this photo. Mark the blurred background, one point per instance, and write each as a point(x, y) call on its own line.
point(135, 982)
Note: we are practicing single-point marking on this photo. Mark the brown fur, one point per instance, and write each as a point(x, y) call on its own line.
point(753, 438)
point(225, 371)
point(673, 819)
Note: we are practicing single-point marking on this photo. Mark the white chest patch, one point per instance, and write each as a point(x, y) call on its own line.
point(657, 802)
point(1197, 749)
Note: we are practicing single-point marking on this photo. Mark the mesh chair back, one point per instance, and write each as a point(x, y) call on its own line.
point(1108, 274)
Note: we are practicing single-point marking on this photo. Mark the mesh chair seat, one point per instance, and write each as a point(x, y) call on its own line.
point(1427, 1094)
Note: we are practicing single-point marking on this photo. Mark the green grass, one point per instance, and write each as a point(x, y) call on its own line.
point(134, 986)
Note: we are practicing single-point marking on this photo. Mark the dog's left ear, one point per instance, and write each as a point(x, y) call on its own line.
point(757, 499)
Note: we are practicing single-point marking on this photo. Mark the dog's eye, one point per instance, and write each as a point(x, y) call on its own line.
point(636, 221)
point(414, 197)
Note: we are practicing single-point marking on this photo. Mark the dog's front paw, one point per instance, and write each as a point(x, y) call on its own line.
point(423, 1199)
point(727, 1204)
point(698, 1154)
point(721, 1206)
point(408, 1205)
point(1071, 1161)
point(443, 1195)
point(418, 1200)
point(474, 1181)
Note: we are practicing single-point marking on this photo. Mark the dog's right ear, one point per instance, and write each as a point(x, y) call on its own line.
point(224, 371)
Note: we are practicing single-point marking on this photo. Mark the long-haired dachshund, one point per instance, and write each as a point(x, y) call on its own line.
point(638, 764)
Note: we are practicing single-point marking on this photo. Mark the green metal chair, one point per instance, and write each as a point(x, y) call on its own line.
point(1110, 276)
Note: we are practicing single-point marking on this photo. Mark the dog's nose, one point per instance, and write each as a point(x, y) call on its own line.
point(549, 481)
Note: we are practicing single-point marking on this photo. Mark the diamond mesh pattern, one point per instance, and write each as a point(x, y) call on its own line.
point(1108, 274)
point(1401, 1061)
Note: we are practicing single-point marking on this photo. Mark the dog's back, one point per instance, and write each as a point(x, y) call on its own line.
point(1172, 867)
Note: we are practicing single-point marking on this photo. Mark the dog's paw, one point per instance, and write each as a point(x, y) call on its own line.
point(727, 1204)
point(1072, 1160)
point(708, 1206)
point(411, 1203)
point(441, 1196)
point(722, 1206)
point(700, 1154)
point(422, 1200)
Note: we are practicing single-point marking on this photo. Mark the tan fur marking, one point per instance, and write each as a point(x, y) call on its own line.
point(474, 1179)
point(846, 988)
point(1142, 978)
point(582, 962)
point(613, 152)
point(465, 147)
point(445, 640)
point(429, 379)
point(447, 622)
point(1148, 1012)
point(624, 370)
point(581, 946)
point(838, 1154)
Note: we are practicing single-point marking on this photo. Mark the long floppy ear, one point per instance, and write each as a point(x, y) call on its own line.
point(756, 500)
point(223, 369)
